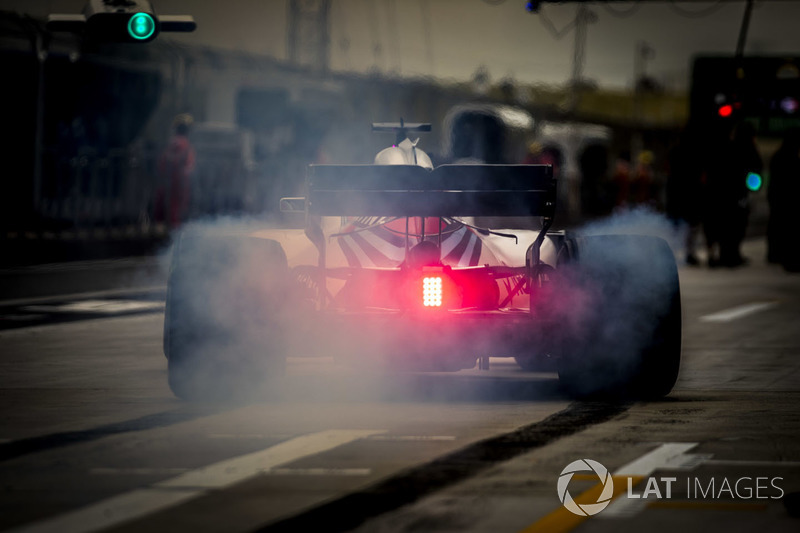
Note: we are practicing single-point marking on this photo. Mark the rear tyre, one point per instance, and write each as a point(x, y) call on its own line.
point(624, 323)
point(535, 363)
point(223, 321)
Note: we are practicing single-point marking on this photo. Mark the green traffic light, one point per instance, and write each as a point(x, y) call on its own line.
point(141, 26)
point(753, 181)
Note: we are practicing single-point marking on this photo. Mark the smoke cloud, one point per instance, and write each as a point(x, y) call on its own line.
point(620, 306)
point(235, 311)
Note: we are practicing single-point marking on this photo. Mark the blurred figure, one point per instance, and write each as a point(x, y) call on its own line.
point(594, 168)
point(622, 179)
point(642, 180)
point(731, 159)
point(685, 189)
point(175, 167)
point(543, 155)
point(782, 192)
point(534, 154)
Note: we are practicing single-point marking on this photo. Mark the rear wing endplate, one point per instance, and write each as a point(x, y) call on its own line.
point(414, 191)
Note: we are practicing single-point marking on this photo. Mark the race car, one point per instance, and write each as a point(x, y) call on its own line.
point(393, 268)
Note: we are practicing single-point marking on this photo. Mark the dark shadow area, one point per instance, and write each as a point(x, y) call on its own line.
point(12, 450)
point(416, 387)
point(57, 310)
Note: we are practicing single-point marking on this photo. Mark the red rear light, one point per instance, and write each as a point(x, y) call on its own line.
point(432, 291)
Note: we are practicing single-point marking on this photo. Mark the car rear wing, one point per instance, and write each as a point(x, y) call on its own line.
point(414, 191)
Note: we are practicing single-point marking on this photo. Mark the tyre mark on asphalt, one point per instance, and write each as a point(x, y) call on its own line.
point(60, 310)
point(350, 511)
point(18, 448)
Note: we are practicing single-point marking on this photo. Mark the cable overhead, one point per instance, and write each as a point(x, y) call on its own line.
point(696, 14)
point(426, 28)
point(377, 49)
point(550, 27)
point(344, 39)
point(622, 13)
point(394, 36)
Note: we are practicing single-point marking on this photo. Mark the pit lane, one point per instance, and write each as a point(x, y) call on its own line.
point(87, 418)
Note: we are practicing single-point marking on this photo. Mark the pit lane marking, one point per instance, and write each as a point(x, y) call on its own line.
point(415, 483)
point(668, 455)
point(735, 462)
point(245, 436)
point(103, 471)
point(412, 438)
point(84, 295)
point(711, 506)
point(319, 471)
point(738, 312)
point(189, 485)
point(97, 306)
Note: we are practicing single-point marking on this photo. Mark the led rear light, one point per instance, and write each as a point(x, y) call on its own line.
point(432, 291)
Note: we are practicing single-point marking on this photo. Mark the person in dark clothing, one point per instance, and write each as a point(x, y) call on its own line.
point(714, 173)
point(594, 167)
point(728, 208)
point(685, 189)
point(783, 245)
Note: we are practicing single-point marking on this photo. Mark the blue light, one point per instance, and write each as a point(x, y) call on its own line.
point(753, 181)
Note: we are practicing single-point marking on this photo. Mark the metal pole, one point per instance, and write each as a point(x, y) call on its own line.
point(41, 56)
point(743, 30)
point(643, 53)
point(578, 52)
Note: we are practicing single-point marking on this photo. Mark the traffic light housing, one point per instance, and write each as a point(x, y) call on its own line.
point(126, 21)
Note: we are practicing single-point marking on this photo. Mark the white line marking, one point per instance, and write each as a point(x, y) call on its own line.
point(665, 456)
point(97, 306)
point(669, 455)
point(319, 471)
point(726, 462)
point(738, 312)
point(242, 436)
point(234, 470)
point(137, 471)
point(138, 503)
point(83, 295)
point(412, 437)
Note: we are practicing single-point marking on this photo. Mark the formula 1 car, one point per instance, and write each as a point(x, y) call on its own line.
point(393, 268)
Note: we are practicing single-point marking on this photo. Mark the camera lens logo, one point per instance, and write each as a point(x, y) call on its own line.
point(585, 509)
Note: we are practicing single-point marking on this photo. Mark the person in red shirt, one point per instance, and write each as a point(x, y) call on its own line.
point(175, 167)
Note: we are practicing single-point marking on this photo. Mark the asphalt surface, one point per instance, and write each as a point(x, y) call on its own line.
point(92, 439)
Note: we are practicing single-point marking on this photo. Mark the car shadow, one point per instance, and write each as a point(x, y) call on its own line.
point(501, 383)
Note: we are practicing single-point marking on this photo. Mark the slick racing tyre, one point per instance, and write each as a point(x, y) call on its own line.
point(222, 326)
point(623, 332)
point(534, 363)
